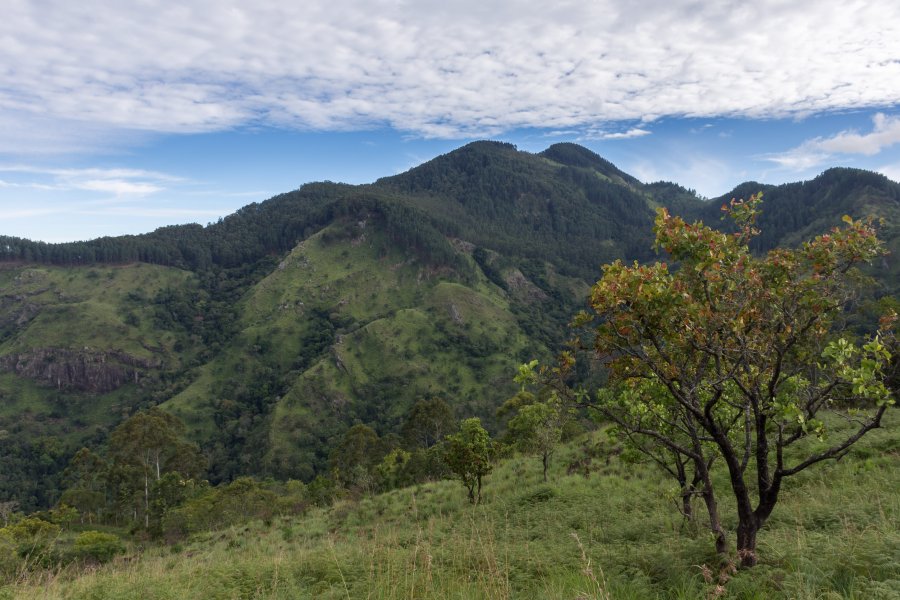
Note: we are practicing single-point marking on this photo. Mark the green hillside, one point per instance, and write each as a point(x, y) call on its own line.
point(797, 211)
point(274, 330)
point(81, 349)
point(350, 328)
point(603, 527)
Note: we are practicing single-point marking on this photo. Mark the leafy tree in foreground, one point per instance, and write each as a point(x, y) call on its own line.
point(745, 352)
point(469, 453)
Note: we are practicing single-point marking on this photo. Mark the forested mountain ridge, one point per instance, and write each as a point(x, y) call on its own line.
point(274, 330)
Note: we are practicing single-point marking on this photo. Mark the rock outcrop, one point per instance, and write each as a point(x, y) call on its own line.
point(521, 287)
point(86, 370)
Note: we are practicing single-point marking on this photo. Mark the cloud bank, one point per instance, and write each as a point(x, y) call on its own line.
point(885, 133)
point(433, 69)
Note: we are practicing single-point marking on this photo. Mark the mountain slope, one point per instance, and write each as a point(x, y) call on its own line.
point(794, 212)
point(350, 328)
point(530, 206)
point(275, 329)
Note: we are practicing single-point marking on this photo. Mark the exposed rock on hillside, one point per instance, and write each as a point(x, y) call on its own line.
point(520, 286)
point(84, 370)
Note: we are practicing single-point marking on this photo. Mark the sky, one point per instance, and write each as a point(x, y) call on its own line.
point(120, 117)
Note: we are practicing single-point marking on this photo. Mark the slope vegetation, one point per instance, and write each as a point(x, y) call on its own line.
point(603, 527)
point(277, 328)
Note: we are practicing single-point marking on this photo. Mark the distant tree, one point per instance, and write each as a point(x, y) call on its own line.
point(745, 350)
point(354, 459)
point(7, 510)
point(150, 444)
point(63, 515)
point(469, 454)
point(429, 420)
point(97, 547)
point(392, 471)
point(167, 493)
point(87, 478)
point(537, 425)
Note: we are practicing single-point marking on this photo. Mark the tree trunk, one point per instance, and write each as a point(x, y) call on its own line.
point(701, 476)
point(714, 523)
point(712, 508)
point(146, 501)
point(687, 490)
point(746, 542)
point(546, 464)
point(687, 508)
point(479, 490)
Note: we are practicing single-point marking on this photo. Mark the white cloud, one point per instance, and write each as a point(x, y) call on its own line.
point(890, 171)
point(86, 74)
point(119, 183)
point(24, 133)
point(799, 159)
point(624, 135)
point(25, 213)
point(885, 133)
point(91, 172)
point(118, 187)
point(710, 176)
point(173, 213)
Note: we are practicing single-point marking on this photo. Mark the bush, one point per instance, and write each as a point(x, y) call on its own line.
point(9, 556)
point(238, 502)
point(97, 547)
point(29, 541)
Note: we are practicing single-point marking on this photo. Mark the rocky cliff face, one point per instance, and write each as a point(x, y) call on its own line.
point(15, 313)
point(84, 370)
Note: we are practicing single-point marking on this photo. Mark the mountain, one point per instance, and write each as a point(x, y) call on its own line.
point(274, 330)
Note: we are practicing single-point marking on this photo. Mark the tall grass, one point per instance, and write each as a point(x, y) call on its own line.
point(613, 535)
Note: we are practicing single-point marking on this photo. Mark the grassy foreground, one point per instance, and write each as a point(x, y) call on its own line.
point(615, 534)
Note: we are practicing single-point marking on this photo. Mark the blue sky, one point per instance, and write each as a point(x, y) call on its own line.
point(123, 117)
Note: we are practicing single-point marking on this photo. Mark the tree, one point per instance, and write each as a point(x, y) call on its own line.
point(537, 426)
point(87, 476)
point(428, 422)
point(469, 453)
point(149, 444)
point(748, 352)
point(392, 470)
point(7, 510)
point(97, 547)
point(354, 459)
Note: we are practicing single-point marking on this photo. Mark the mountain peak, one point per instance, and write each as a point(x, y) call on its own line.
point(486, 145)
point(574, 155)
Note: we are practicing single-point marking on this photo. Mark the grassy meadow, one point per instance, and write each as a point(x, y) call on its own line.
point(613, 534)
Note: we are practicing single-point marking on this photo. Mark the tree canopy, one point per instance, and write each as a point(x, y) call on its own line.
point(736, 356)
point(469, 454)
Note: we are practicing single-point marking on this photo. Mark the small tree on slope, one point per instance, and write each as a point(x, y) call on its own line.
point(469, 454)
point(743, 356)
point(538, 422)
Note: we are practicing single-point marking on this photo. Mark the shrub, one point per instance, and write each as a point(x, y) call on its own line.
point(97, 547)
